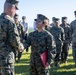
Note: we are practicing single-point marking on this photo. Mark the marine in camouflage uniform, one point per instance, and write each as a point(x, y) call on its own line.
point(9, 39)
point(58, 34)
point(67, 40)
point(53, 21)
point(21, 34)
point(37, 40)
point(73, 36)
point(48, 28)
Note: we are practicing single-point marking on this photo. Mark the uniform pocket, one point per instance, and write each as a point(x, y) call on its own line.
point(10, 58)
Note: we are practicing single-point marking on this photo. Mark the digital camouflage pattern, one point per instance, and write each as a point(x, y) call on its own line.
point(21, 34)
point(37, 41)
point(48, 28)
point(20, 30)
point(73, 37)
point(66, 43)
point(9, 40)
point(58, 34)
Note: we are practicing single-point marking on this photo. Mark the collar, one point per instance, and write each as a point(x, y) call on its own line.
point(8, 17)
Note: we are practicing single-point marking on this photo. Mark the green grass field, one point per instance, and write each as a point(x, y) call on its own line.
point(22, 68)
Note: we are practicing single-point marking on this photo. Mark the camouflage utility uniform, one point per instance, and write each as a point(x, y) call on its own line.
point(21, 34)
point(73, 36)
point(66, 43)
point(58, 34)
point(48, 28)
point(9, 40)
point(38, 40)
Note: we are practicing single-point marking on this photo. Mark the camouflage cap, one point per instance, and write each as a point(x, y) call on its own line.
point(75, 12)
point(53, 18)
point(23, 17)
point(15, 2)
point(64, 18)
point(16, 16)
point(56, 19)
point(40, 17)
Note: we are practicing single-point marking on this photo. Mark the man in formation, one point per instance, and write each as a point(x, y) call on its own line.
point(73, 37)
point(67, 40)
point(21, 35)
point(58, 34)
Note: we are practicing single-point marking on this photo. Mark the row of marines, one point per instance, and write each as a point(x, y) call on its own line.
point(61, 39)
point(39, 40)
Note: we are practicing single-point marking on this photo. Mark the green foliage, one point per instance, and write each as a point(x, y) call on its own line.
point(22, 68)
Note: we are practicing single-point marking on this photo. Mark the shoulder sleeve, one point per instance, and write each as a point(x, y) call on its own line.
point(69, 34)
point(49, 46)
point(62, 34)
point(13, 36)
point(71, 28)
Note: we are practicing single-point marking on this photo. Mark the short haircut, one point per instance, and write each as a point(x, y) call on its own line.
point(8, 5)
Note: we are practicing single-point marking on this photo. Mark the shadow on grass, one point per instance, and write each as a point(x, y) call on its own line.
point(26, 53)
point(70, 55)
point(70, 60)
point(22, 69)
point(23, 61)
point(68, 69)
point(63, 73)
point(64, 70)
